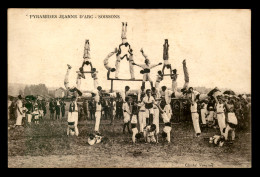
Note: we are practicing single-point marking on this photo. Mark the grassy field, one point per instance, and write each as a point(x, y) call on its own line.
point(47, 145)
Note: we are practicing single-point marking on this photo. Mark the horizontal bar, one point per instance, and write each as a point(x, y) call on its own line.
point(85, 72)
point(125, 79)
point(169, 74)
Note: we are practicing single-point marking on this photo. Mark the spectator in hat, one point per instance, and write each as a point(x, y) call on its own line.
point(36, 115)
point(19, 111)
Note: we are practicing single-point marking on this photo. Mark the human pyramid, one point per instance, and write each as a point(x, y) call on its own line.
point(143, 115)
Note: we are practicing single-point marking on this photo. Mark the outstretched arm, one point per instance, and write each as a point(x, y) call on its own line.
point(153, 66)
point(137, 65)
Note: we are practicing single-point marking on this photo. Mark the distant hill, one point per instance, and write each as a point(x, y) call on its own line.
point(14, 88)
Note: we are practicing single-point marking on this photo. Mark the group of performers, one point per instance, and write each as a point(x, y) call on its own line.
point(142, 112)
point(152, 103)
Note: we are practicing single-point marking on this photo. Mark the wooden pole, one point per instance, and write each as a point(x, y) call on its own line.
point(111, 86)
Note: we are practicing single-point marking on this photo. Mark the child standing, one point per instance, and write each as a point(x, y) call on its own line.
point(36, 114)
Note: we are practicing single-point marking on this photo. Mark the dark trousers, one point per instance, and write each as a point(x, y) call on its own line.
point(92, 115)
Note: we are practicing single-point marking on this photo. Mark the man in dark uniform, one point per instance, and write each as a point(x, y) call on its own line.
point(40, 108)
point(63, 104)
point(29, 107)
point(92, 109)
point(52, 109)
point(44, 107)
point(119, 110)
point(85, 109)
point(105, 108)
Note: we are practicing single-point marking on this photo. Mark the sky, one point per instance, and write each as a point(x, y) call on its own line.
point(215, 43)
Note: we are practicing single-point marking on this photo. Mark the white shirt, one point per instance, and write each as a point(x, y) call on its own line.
point(114, 105)
point(134, 119)
point(167, 95)
point(95, 140)
point(167, 129)
point(167, 109)
point(19, 106)
point(126, 108)
point(158, 78)
point(220, 108)
point(232, 118)
point(147, 129)
point(124, 94)
point(76, 106)
point(165, 118)
point(146, 99)
point(204, 106)
point(98, 107)
point(193, 108)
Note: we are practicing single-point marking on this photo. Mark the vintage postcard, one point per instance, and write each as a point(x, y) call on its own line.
point(129, 88)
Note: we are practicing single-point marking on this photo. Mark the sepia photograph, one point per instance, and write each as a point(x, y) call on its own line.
point(129, 88)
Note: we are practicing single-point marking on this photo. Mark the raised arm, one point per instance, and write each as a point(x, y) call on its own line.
point(215, 97)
